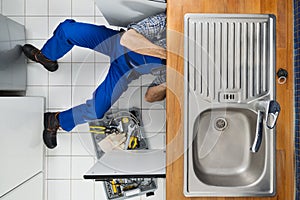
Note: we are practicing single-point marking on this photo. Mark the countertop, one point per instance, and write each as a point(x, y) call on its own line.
point(285, 149)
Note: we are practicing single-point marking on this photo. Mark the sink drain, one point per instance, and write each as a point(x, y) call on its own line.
point(220, 124)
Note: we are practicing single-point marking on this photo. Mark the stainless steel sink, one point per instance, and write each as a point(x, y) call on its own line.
point(222, 138)
point(230, 109)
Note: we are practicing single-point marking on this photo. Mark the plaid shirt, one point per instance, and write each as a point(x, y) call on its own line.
point(154, 29)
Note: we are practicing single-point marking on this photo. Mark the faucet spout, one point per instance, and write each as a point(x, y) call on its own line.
point(258, 133)
point(271, 109)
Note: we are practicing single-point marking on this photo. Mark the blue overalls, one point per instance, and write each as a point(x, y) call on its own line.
point(123, 63)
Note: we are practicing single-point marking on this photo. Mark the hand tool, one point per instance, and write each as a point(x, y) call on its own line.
point(131, 129)
point(133, 142)
point(103, 130)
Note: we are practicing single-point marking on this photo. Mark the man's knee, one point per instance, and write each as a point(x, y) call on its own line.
point(65, 25)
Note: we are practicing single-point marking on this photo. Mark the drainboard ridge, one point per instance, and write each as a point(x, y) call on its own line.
point(229, 60)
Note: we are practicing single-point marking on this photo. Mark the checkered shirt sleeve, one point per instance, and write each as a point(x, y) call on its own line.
point(153, 28)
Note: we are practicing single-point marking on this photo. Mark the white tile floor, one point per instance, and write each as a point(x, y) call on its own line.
point(80, 71)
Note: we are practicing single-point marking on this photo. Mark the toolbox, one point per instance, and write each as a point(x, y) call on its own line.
point(132, 171)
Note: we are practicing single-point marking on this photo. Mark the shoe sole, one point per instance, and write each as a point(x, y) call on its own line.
point(45, 139)
point(30, 55)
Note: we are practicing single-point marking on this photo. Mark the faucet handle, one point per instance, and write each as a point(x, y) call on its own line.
point(273, 112)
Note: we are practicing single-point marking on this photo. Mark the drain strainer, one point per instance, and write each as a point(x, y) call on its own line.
point(220, 124)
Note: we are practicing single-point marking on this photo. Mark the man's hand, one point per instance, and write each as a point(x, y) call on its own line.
point(156, 93)
point(138, 43)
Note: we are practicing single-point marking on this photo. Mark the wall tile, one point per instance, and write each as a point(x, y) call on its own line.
point(60, 8)
point(36, 28)
point(83, 7)
point(103, 21)
point(58, 190)
point(59, 97)
point(154, 120)
point(9, 7)
point(80, 94)
point(81, 128)
point(89, 20)
point(54, 22)
point(83, 74)
point(82, 144)
point(100, 192)
point(147, 79)
point(36, 74)
point(80, 165)
point(156, 140)
point(63, 146)
point(58, 168)
point(20, 20)
point(41, 91)
point(34, 7)
point(82, 55)
point(101, 58)
point(82, 189)
point(67, 58)
point(130, 98)
point(62, 76)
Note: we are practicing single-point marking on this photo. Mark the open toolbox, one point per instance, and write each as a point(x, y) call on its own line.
point(118, 185)
point(126, 188)
point(119, 121)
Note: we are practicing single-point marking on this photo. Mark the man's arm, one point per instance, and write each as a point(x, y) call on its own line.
point(138, 43)
point(156, 93)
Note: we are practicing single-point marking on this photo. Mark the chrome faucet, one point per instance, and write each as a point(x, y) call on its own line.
point(270, 110)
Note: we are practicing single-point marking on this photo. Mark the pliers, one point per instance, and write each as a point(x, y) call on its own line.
point(103, 130)
point(133, 142)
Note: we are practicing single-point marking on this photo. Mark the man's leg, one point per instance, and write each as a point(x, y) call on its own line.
point(66, 35)
point(70, 33)
point(105, 95)
point(113, 86)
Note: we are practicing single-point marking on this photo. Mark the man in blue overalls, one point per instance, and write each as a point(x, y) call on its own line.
point(135, 52)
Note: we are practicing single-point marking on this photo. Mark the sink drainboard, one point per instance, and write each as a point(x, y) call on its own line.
point(226, 55)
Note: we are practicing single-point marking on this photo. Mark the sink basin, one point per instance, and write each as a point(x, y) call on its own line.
point(222, 138)
point(229, 82)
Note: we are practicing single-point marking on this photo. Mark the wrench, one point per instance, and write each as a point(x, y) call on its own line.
point(131, 129)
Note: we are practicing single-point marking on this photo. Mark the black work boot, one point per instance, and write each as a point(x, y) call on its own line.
point(36, 55)
point(51, 125)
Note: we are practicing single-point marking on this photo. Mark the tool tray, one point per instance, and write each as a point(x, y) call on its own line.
point(120, 121)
